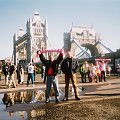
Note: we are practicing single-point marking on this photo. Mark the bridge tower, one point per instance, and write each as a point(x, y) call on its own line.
point(86, 40)
point(25, 45)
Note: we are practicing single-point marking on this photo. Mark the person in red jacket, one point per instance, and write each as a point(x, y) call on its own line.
point(51, 70)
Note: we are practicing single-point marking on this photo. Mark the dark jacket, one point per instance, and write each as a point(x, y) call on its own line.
point(69, 65)
point(82, 69)
point(12, 68)
point(6, 69)
point(54, 64)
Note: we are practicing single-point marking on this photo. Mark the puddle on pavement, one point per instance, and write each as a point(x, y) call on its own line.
point(8, 100)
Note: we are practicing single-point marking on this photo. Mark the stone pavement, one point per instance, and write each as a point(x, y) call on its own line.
point(100, 89)
point(99, 101)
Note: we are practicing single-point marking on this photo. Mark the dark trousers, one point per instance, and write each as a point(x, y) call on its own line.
point(103, 75)
point(86, 75)
point(82, 77)
point(30, 76)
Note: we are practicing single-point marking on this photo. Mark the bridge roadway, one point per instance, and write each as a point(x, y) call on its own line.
point(99, 101)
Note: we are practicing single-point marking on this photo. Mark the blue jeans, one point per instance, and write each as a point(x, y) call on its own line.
point(30, 76)
point(52, 80)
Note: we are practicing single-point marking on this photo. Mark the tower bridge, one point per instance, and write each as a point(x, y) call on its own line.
point(85, 41)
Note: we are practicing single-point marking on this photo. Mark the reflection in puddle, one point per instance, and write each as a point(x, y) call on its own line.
point(22, 97)
point(14, 104)
point(9, 99)
point(14, 99)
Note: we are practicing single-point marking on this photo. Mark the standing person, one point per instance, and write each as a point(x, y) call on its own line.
point(69, 66)
point(98, 72)
point(20, 74)
point(6, 72)
point(82, 72)
point(35, 68)
point(92, 74)
point(51, 70)
point(42, 71)
point(43, 76)
point(0, 72)
point(103, 71)
point(109, 70)
point(21, 70)
point(12, 76)
point(118, 70)
point(30, 74)
point(86, 73)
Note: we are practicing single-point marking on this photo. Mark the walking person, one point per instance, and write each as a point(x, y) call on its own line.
point(69, 66)
point(30, 74)
point(51, 70)
point(12, 76)
point(6, 72)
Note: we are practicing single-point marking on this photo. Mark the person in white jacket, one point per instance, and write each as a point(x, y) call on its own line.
point(30, 74)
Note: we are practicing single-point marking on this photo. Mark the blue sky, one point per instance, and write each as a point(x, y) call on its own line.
point(103, 15)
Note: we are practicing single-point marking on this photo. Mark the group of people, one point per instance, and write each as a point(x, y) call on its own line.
point(94, 72)
point(69, 65)
point(9, 70)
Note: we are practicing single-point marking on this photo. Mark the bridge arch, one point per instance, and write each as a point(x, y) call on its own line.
point(84, 39)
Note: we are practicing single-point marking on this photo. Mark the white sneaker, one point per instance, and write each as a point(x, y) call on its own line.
point(47, 100)
point(33, 85)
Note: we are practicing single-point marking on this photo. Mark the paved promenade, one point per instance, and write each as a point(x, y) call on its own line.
point(89, 89)
point(99, 101)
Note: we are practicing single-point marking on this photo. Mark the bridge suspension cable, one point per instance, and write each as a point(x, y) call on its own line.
point(81, 48)
point(104, 46)
point(81, 53)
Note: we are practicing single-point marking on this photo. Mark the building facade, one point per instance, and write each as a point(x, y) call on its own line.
point(25, 45)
